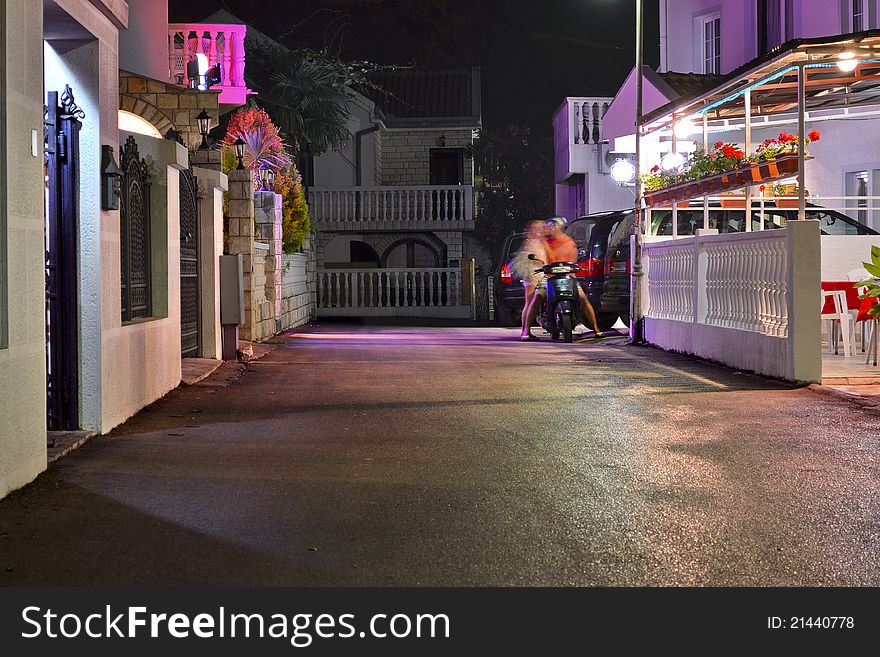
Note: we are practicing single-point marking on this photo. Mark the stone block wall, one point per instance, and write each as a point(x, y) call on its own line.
point(168, 106)
point(297, 306)
point(267, 224)
point(403, 156)
point(279, 289)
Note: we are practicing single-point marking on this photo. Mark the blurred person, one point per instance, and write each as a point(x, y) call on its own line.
point(534, 282)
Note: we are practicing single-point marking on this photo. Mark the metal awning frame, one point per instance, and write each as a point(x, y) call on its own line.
point(804, 76)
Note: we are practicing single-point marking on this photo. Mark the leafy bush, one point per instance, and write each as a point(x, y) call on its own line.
point(263, 145)
point(295, 223)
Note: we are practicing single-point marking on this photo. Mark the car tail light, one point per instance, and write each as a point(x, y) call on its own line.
point(506, 277)
point(589, 267)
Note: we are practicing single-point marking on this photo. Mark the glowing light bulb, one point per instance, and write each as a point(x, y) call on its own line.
point(623, 171)
point(672, 161)
point(684, 129)
point(846, 62)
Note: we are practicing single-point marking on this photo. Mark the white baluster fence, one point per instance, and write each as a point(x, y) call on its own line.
point(401, 207)
point(749, 300)
point(221, 43)
point(430, 292)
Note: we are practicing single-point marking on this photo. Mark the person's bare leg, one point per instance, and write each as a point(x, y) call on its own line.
point(529, 314)
point(530, 292)
point(589, 312)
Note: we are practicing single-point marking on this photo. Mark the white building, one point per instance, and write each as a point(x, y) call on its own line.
point(702, 42)
point(391, 210)
point(90, 295)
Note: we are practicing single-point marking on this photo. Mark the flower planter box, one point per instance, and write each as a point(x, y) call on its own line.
point(786, 203)
point(751, 174)
point(733, 201)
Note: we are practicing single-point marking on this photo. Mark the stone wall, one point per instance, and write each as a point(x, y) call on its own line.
point(403, 156)
point(278, 288)
point(167, 106)
point(297, 305)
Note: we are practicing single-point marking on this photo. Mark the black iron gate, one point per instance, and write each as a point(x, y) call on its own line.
point(190, 301)
point(135, 233)
point(61, 152)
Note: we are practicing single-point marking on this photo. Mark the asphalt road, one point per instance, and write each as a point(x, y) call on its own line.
point(447, 456)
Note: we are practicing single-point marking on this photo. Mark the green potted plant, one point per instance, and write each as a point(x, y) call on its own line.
point(872, 285)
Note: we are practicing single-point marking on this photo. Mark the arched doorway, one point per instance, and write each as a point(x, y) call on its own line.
point(410, 253)
point(424, 285)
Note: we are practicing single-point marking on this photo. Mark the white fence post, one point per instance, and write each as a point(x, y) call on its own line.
point(804, 298)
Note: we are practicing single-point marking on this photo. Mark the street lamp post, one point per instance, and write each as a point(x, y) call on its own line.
point(635, 308)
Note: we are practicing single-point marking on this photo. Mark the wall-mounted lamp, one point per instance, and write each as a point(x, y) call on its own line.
point(111, 180)
point(623, 171)
point(204, 120)
point(441, 141)
point(239, 145)
point(263, 173)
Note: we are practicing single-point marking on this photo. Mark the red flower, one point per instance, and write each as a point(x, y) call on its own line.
point(655, 168)
point(719, 144)
point(784, 137)
point(761, 188)
point(813, 135)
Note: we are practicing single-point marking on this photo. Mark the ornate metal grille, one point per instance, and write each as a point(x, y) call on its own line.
point(61, 150)
point(135, 238)
point(189, 265)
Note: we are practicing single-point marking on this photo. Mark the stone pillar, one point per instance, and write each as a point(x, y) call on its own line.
point(240, 239)
point(268, 217)
point(206, 159)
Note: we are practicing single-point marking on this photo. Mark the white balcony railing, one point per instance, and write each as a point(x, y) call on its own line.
point(577, 125)
point(350, 208)
point(222, 44)
point(430, 292)
point(579, 119)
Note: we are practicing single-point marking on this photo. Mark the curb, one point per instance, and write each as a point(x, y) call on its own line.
point(50, 459)
point(865, 402)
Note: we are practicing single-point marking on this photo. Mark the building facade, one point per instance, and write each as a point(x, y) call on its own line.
point(391, 210)
point(93, 273)
point(702, 42)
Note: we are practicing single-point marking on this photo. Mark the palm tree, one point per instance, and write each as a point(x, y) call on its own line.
point(305, 92)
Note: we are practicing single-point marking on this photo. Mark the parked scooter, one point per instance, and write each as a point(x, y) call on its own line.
point(558, 313)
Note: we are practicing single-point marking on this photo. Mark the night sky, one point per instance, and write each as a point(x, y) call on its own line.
point(532, 52)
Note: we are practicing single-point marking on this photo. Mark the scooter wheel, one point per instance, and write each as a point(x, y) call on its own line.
point(567, 327)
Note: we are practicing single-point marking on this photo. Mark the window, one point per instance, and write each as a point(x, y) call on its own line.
point(710, 43)
point(775, 23)
point(859, 15)
point(446, 166)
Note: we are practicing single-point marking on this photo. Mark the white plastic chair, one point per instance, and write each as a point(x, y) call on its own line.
point(855, 276)
point(840, 317)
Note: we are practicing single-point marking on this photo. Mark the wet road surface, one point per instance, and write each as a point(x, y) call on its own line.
point(356, 455)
